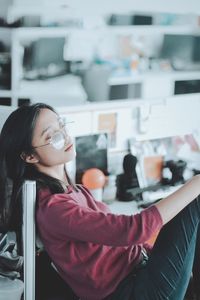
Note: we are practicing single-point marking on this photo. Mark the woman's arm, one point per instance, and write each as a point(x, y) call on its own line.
point(170, 206)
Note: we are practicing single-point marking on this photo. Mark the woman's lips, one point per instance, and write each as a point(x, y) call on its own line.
point(69, 147)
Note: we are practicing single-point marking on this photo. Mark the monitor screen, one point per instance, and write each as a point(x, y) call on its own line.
point(196, 52)
point(91, 152)
point(45, 56)
point(177, 47)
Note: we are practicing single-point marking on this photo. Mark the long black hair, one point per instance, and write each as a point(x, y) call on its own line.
point(15, 139)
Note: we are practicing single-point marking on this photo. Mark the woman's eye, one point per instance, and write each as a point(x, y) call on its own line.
point(48, 138)
point(50, 134)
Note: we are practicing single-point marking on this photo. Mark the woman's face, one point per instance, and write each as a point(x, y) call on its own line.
point(51, 142)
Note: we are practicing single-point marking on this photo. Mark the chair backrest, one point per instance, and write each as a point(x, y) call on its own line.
point(60, 288)
point(29, 200)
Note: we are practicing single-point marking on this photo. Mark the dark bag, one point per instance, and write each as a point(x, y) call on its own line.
point(10, 262)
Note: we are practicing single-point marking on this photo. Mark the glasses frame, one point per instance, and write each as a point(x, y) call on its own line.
point(62, 130)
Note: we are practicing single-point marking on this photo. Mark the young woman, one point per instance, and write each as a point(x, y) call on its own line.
point(99, 254)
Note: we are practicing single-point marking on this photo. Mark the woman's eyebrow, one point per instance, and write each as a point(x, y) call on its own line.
point(45, 130)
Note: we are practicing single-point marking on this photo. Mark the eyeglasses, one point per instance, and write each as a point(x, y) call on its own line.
point(58, 139)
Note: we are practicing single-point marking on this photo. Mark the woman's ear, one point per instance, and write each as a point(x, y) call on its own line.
point(29, 158)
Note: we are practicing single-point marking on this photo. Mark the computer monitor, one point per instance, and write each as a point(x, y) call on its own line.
point(44, 58)
point(196, 51)
point(177, 47)
point(91, 152)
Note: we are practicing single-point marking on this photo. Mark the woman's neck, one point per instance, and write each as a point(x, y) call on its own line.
point(57, 172)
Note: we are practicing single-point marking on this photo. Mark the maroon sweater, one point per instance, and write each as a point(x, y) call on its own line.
point(92, 248)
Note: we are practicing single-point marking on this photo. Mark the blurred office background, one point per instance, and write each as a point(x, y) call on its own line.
point(129, 70)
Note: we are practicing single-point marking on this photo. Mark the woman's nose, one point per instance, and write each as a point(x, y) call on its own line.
point(67, 138)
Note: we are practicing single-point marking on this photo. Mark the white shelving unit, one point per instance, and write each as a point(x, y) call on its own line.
point(38, 32)
point(21, 88)
point(5, 37)
point(5, 93)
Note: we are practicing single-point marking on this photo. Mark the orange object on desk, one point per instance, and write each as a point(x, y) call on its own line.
point(93, 178)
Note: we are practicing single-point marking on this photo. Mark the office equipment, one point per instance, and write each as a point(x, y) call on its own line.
point(44, 58)
point(120, 19)
point(95, 82)
point(91, 153)
point(182, 50)
point(142, 20)
point(128, 180)
point(178, 49)
point(186, 86)
point(125, 91)
point(196, 52)
point(129, 19)
point(177, 169)
point(5, 70)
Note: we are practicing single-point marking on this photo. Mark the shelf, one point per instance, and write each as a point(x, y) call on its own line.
point(88, 7)
point(54, 84)
point(101, 106)
point(140, 77)
point(31, 32)
point(66, 87)
point(39, 32)
point(144, 29)
point(58, 88)
point(125, 79)
point(5, 94)
point(63, 91)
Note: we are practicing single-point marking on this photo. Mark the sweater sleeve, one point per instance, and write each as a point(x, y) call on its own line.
point(67, 219)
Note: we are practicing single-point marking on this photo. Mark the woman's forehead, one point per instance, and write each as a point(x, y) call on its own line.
point(46, 115)
point(45, 119)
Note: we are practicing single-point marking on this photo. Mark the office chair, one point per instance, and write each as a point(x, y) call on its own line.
point(41, 280)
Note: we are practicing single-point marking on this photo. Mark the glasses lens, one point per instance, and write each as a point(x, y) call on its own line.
point(58, 140)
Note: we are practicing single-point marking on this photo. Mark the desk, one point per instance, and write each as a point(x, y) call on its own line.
point(131, 207)
point(125, 208)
